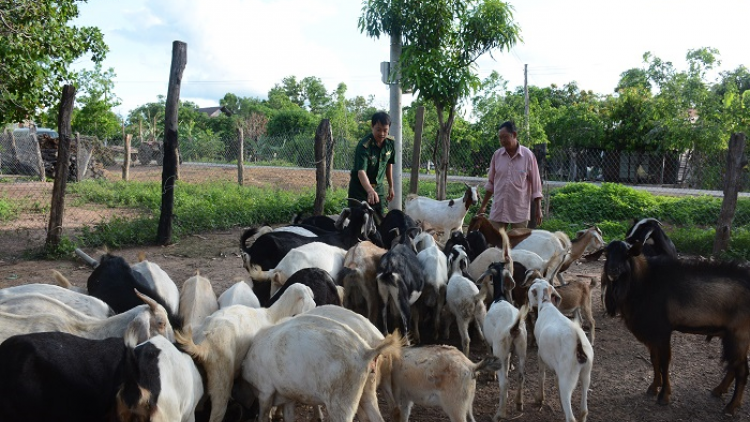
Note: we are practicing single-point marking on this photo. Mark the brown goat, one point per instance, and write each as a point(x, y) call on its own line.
point(492, 235)
point(658, 295)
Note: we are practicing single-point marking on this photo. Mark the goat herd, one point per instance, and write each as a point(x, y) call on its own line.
point(330, 313)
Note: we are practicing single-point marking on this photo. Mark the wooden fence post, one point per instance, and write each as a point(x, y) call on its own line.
point(330, 142)
point(416, 151)
point(735, 162)
point(169, 170)
point(126, 161)
point(54, 229)
point(241, 157)
point(321, 137)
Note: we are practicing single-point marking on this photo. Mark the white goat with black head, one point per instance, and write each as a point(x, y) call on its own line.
point(465, 301)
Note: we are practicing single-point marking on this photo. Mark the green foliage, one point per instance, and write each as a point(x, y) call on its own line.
point(7, 211)
point(588, 203)
point(37, 47)
point(281, 122)
point(198, 208)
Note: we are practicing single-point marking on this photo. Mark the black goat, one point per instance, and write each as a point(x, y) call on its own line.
point(114, 282)
point(57, 376)
point(321, 283)
point(457, 238)
point(268, 249)
point(322, 222)
point(477, 244)
point(395, 223)
point(650, 234)
point(658, 295)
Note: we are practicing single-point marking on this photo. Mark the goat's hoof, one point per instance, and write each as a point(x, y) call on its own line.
point(718, 392)
point(652, 390)
point(730, 410)
point(499, 415)
point(663, 400)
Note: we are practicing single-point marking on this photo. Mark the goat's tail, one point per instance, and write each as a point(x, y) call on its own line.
point(391, 345)
point(61, 280)
point(581, 355)
point(523, 312)
point(186, 344)
point(490, 364)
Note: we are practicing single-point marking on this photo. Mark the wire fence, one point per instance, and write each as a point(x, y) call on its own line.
point(27, 163)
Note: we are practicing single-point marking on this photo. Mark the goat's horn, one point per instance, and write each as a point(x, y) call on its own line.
point(357, 201)
point(149, 301)
point(89, 260)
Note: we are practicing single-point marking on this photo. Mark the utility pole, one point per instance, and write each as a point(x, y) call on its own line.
point(396, 117)
point(526, 103)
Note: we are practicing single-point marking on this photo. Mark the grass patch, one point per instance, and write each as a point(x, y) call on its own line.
point(8, 211)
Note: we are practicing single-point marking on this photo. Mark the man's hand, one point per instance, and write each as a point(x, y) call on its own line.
point(538, 216)
point(373, 198)
point(391, 194)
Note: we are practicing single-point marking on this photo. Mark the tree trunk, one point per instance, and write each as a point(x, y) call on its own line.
point(241, 157)
point(735, 162)
point(54, 230)
point(321, 140)
point(329, 153)
point(444, 149)
point(126, 161)
point(169, 169)
point(417, 151)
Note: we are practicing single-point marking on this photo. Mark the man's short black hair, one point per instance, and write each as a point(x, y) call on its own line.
point(509, 126)
point(381, 117)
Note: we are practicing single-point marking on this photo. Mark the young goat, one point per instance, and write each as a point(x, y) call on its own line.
point(658, 295)
point(359, 279)
point(465, 301)
point(563, 347)
point(445, 216)
point(505, 328)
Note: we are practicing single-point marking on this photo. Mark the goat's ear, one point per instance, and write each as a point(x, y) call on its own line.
point(510, 284)
point(342, 217)
point(555, 297)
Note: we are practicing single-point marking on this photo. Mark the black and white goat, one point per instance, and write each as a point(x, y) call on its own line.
point(650, 233)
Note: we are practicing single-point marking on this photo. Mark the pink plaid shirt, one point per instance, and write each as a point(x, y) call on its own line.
point(514, 182)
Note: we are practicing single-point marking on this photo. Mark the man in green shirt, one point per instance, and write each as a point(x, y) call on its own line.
point(373, 159)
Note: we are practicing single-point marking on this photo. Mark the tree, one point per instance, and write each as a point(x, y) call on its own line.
point(442, 40)
point(95, 102)
point(37, 47)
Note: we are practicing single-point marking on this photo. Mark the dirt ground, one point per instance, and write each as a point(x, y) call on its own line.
point(622, 370)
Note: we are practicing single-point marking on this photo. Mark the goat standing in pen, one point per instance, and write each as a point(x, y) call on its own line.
point(446, 216)
point(658, 295)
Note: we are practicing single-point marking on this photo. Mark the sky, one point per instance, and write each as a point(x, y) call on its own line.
point(247, 46)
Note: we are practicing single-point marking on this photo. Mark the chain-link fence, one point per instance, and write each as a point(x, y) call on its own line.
point(25, 195)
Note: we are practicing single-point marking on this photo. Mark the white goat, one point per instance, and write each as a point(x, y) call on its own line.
point(359, 278)
point(445, 216)
point(240, 293)
point(57, 316)
point(159, 281)
point(563, 346)
point(368, 404)
point(465, 301)
point(551, 247)
point(335, 360)
point(434, 265)
point(505, 328)
point(86, 304)
point(222, 341)
point(197, 301)
point(433, 376)
point(312, 255)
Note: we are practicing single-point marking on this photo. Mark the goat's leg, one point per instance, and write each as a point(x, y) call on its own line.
point(737, 356)
point(439, 310)
point(502, 383)
point(448, 319)
point(219, 384)
point(723, 386)
point(566, 383)
point(289, 411)
point(540, 393)
point(368, 403)
point(265, 404)
point(653, 389)
point(585, 377)
point(590, 319)
point(520, 349)
point(415, 326)
point(463, 329)
point(664, 357)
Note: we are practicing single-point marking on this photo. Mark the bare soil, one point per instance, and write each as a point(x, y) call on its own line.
point(622, 370)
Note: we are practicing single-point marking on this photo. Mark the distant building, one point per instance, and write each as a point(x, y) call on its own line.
point(215, 111)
